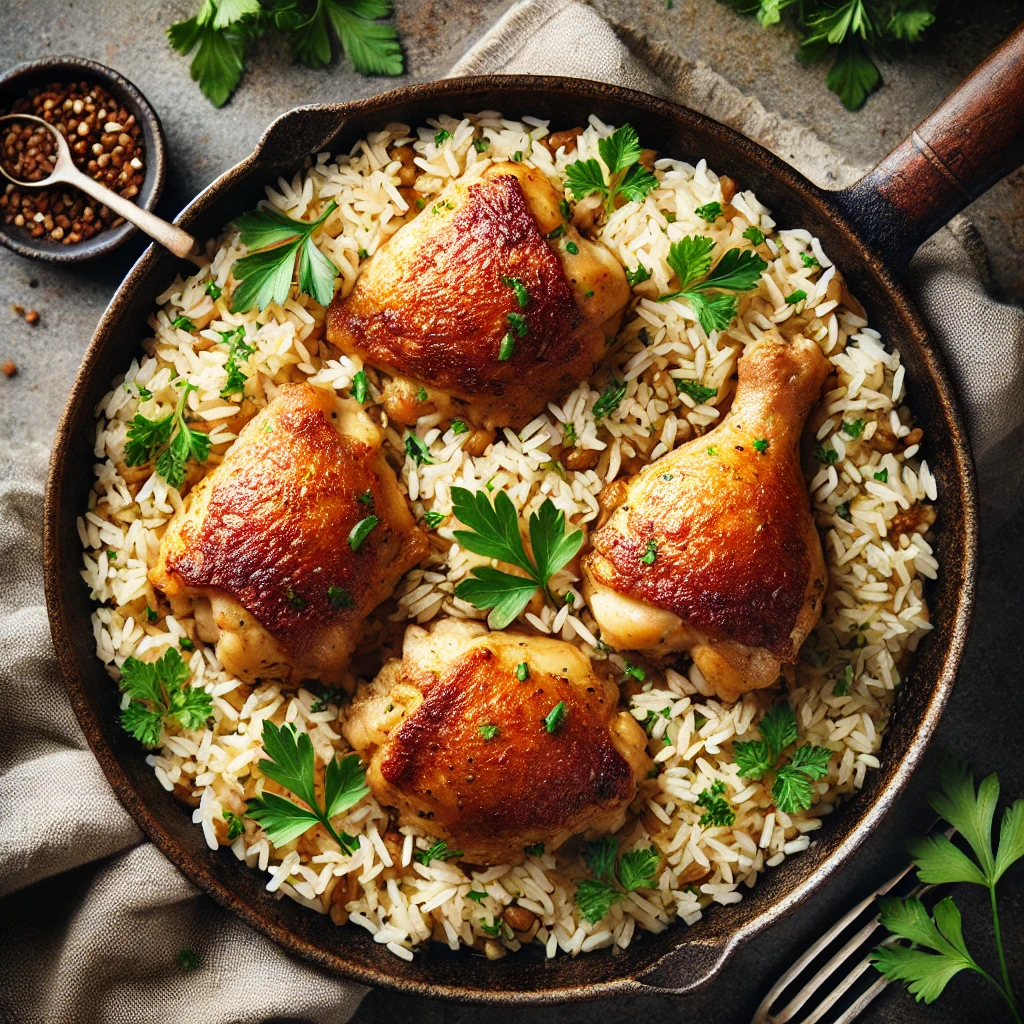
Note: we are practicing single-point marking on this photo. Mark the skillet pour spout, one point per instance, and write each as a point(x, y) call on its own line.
point(870, 230)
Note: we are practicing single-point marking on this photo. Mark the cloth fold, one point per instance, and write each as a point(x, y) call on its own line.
point(93, 918)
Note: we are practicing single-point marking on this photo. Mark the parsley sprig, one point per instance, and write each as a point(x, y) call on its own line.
point(791, 789)
point(238, 352)
point(159, 691)
point(171, 436)
point(717, 810)
point(937, 951)
point(620, 152)
point(706, 290)
point(266, 276)
point(290, 763)
point(221, 31)
point(493, 531)
point(637, 869)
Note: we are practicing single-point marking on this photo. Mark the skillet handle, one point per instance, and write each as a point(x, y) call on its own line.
point(971, 141)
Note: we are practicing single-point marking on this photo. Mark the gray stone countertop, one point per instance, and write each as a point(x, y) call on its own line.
point(203, 142)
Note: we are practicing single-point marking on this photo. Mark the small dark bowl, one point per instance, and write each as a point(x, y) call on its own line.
point(15, 84)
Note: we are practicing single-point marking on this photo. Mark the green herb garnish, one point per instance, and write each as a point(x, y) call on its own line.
point(159, 691)
point(235, 825)
point(493, 531)
point(359, 386)
point(620, 152)
point(638, 276)
point(339, 597)
point(761, 445)
point(555, 717)
point(716, 808)
point(709, 212)
point(290, 763)
point(238, 352)
point(417, 450)
point(434, 519)
point(696, 391)
point(361, 531)
point(754, 235)
point(441, 137)
point(182, 323)
point(438, 850)
point(636, 870)
point(650, 552)
point(609, 399)
point(517, 286)
point(178, 441)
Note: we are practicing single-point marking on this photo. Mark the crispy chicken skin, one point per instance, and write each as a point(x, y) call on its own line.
point(432, 304)
point(738, 578)
point(418, 727)
point(261, 548)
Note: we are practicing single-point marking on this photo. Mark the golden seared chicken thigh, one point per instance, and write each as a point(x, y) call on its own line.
point(714, 550)
point(462, 736)
point(264, 550)
point(476, 299)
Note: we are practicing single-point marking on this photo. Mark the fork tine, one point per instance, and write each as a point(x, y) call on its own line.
point(762, 1015)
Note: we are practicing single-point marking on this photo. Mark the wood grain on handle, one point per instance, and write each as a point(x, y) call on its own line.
point(973, 139)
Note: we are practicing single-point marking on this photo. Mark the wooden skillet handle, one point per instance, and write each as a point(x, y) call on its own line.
point(973, 139)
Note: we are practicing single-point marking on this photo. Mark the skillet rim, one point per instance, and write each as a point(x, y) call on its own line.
point(652, 978)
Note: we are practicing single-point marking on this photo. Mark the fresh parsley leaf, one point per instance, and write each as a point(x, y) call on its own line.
point(569, 434)
point(145, 436)
point(794, 297)
point(441, 137)
point(556, 717)
point(438, 850)
point(738, 270)
point(595, 898)
point(359, 386)
point(697, 392)
point(238, 352)
point(717, 810)
point(854, 429)
point(518, 322)
point(638, 276)
point(792, 789)
point(178, 441)
point(778, 727)
point(507, 347)
point(620, 152)
point(159, 691)
point(809, 260)
point(638, 869)
point(361, 531)
point(754, 235)
point(477, 897)
point(481, 145)
point(843, 683)
point(853, 76)
point(213, 289)
point(572, 248)
point(458, 427)
point(600, 856)
point(709, 212)
point(690, 258)
point(290, 763)
point(266, 276)
point(650, 552)
point(489, 732)
point(752, 759)
point(882, 475)
point(493, 532)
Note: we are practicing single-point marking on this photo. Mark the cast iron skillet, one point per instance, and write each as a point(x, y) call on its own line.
point(870, 230)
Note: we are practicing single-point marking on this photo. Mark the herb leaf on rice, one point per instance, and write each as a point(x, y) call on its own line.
point(147, 438)
point(159, 691)
point(290, 762)
point(620, 152)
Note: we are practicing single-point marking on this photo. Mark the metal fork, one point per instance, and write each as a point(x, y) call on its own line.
point(844, 948)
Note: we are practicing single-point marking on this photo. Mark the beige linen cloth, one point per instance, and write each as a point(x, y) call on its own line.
point(92, 918)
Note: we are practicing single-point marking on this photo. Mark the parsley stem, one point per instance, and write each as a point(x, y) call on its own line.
point(1006, 989)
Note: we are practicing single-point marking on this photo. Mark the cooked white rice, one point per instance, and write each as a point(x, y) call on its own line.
point(873, 533)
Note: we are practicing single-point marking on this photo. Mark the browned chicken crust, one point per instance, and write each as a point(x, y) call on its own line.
point(738, 558)
point(434, 303)
point(491, 797)
point(268, 529)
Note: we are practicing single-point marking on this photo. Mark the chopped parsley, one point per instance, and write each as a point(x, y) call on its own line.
point(518, 323)
point(517, 156)
point(569, 433)
point(696, 391)
point(739, 270)
point(638, 276)
point(628, 178)
point(359, 386)
point(637, 869)
point(843, 511)
point(572, 248)
point(434, 519)
point(855, 429)
point(475, 896)
point(438, 850)
point(339, 597)
point(555, 717)
point(159, 691)
point(709, 212)
point(609, 400)
point(235, 825)
point(172, 437)
point(536, 850)
point(421, 395)
point(489, 731)
point(182, 323)
point(882, 476)
point(634, 672)
point(416, 449)
point(507, 347)
point(650, 552)
point(297, 601)
point(712, 450)
point(754, 235)
point(361, 531)
point(517, 286)
point(761, 445)
point(717, 811)
point(238, 352)
point(794, 297)
point(186, 644)
point(441, 137)
point(151, 614)
point(458, 427)
point(213, 289)
point(334, 695)
point(557, 233)
point(808, 260)
point(843, 683)
point(522, 671)
point(481, 145)
point(828, 456)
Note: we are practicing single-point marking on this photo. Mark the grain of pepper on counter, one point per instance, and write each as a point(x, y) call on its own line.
point(106, 143)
